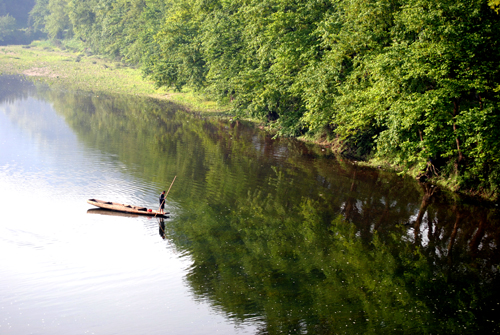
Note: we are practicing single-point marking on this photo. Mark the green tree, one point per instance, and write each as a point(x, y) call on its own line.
point(494, 4)
point(282, 40)
point(443, 73)
point(414, 82)
point(57, 22)
point(38, 15)
point(83, 17)
point(179, 61)
point(339, 89)
point(7, 26)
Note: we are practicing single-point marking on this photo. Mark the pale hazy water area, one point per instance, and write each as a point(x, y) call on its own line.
point(265, 236)
point(64, 271)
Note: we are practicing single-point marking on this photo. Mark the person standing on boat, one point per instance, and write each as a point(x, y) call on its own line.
point(162, 202)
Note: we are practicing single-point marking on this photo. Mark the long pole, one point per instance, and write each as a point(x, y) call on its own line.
point(165, 196)
point(170, 188)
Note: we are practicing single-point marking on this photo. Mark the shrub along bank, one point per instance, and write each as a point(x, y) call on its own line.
point(414, 83)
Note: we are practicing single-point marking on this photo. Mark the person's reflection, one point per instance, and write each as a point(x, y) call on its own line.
point(162, 228)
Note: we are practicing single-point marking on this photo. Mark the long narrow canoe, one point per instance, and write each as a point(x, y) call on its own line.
point(114, 206)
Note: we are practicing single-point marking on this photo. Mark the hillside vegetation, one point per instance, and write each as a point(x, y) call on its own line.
point(414, 83)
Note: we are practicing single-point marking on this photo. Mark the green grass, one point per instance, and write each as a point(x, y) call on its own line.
point(70, 66)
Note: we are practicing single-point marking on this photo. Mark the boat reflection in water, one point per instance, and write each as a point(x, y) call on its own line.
point(103, 211)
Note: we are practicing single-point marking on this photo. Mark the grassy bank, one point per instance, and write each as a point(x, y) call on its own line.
point(81, 71)
point(77, 70)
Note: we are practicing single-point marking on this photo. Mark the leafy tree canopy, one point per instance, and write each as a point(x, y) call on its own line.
point(413, 82)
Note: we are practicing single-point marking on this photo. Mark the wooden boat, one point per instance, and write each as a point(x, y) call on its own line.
point(114, 206)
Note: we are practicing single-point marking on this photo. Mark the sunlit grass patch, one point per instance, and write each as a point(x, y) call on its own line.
point(193, 100)
point(78, 69)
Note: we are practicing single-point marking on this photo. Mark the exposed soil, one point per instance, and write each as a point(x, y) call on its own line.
point(41, 72)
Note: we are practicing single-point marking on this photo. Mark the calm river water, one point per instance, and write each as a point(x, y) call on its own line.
point(265, 236)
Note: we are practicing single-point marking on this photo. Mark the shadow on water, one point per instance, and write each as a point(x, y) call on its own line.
point(109, 212)
point(295, 240)
point(103, 211)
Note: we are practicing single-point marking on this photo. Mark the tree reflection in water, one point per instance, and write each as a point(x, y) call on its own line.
point(300, 242)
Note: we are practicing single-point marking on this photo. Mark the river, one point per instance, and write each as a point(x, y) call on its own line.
point(264, 236)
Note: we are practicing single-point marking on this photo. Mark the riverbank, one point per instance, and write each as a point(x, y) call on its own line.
point(81, 70)
point(449, 184)
point(92, 73)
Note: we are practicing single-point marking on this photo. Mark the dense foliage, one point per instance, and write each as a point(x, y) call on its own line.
point(14, 15)
point(7, 26)
point(414, 82)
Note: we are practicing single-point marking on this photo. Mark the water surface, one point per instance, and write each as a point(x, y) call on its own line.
point(265, 236)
